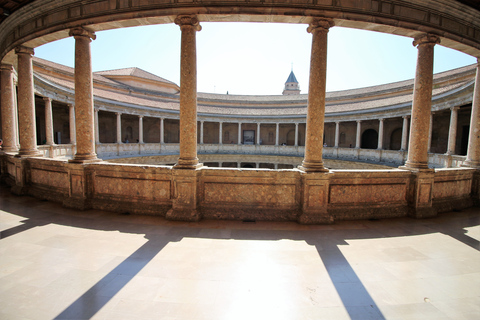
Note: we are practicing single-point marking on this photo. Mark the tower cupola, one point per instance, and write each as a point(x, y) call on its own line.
point(291, 85)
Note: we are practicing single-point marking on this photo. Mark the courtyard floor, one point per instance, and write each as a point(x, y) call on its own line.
point(57, 263)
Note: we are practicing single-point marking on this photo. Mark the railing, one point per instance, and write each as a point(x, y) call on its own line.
point(124, 150)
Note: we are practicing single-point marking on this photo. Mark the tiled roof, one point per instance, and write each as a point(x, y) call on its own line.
point(134, 72)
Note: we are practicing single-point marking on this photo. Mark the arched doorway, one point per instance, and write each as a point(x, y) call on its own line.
point(396, 139)
point(369, 139)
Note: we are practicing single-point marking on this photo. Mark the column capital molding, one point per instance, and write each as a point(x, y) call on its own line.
point(70, 105)
point(24, 50)
point(426, 38)
point(320, 24)
point(6, 67)
point(82, 32)
point(118, 113)
point(47, 99)
point(359, 121)
point(454, 108)
point(406, 117)
point(381, 119)
point(141, 116)
point(188, 20)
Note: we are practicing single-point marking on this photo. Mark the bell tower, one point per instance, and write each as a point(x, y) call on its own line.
point(291, 85)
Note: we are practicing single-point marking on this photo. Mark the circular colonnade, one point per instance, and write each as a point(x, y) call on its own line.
point(188, 191)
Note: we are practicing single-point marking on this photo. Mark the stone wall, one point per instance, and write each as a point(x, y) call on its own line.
point(253, 194)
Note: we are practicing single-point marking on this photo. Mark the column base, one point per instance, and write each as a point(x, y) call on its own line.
point(316, 218)
point(422, 213)
point(29, 153)
point(313, 167)
point(191, 164)
point(85, 158)
point(418, 167)
point(183, 215)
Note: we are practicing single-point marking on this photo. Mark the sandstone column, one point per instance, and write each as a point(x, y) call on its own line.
point(430, 132)
point(26, 104)
point(7, 100)
point(337, 133)
point(404, 133)
point(84, 123)
point(296, 134)
point(422, 103)
point(239, 133)
point(162, 135)
point(277, 134)
point(359, 132)
point(220, 133)
point(188, 92)
point(316, 96)
point(201, 132)
point(97, 127)
point(71, 123)
point(258, 133)
point(473, 151)
point(380, 134)
point(48, 121)
point(140, 129)
point(119, 127)
point(452, 131)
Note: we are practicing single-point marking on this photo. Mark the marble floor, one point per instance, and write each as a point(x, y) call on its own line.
point(57, 263)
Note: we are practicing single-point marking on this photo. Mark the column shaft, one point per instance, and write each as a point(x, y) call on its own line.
point(380, 134)
point(422, 104)
point(201, 132)
point(404, 133)
point(26, 104)
point(71, 120)
point(359, 132)
point(48, 121)
point(119, 127)
point(473, 151)
point(188, 92)
point(296, 134)
point(316, 96)
point(84, 114)
point(337, 133)
point(277, 134)
point(97, 128)
point(258, 133)
point(7, 100)
point(140, 129)
point(220, 133)
point(162, 131)
point(430, 132)
point(239, 133)
point(452, 131)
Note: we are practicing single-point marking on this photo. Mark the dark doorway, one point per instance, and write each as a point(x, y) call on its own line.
point(396, 139)
point(369, 139)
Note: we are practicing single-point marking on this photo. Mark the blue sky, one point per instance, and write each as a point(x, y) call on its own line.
point(256, 58)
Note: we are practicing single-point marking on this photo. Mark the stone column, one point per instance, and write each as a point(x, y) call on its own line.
point(119, 127)
point(48, 121)
point(473, 151)
point(277, 133)
point(380, 134)
point(404, 133)
point(422, 104)
point(316, 96)
point(162, 130)
point(258, 133)
point(430, 132)
point(201, 132)
point(7, 100)
point(84, 123)
point(140, 129)
point(296, 134)
point(71, 124)
point(26, 104)
point(97, 127)
point(188, 92)
point(452, 131)
point(337, 133)
point(239, 133)
point(359, 132)
point(220, 133)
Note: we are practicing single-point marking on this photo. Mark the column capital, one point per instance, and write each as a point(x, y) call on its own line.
point(454, 108)
point(141, 116)
point(6, 67)
point(118, 113)
point(426, 38)
point(47, 98)
point(321, 24)
point(359, 121)
point(188, 20)
point(82, 32)
point(24, 50)
point(406, 117)
point(381, 119)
